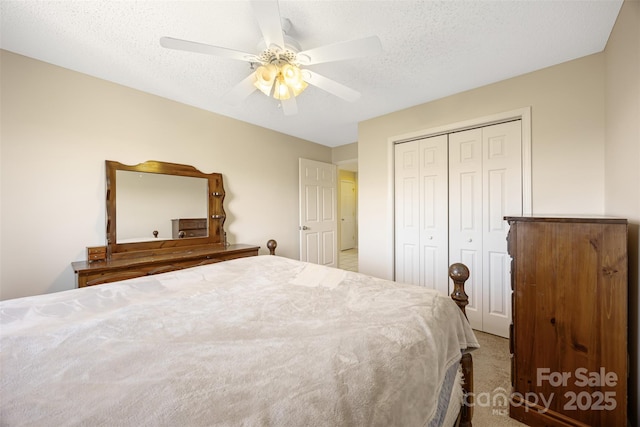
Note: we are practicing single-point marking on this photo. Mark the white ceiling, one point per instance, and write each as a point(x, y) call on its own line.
point(431, 49)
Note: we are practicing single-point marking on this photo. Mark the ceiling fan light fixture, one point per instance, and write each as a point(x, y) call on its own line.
point(280, 81)
point(292, 77)
point(278, 72)
point(265, 77)
point(281, 90)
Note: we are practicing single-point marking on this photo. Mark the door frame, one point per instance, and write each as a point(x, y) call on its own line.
point(523, 114)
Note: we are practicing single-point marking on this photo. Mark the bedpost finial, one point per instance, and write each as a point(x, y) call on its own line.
point(272, 245)
point(459, 272)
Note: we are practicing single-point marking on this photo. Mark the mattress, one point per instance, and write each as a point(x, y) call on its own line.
point(262, 340)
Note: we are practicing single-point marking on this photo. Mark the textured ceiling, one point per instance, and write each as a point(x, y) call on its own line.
point(431, 49)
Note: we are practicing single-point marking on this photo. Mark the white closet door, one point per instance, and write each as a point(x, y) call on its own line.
point(451, 195)
point(407, 213)
point(485, 184)
point(465, 214)
point(421, 218)
point(502, 190)
point(434, 215)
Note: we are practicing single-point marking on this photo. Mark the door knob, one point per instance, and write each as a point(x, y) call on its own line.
point(304, 227)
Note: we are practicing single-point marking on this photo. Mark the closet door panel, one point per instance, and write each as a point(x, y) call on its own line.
point(434, 215)
point(465, 213)
point(497, 293)
point(502, 189)
point(407, 213)
point(473, 285)
point(431, 239)
point(430, 270)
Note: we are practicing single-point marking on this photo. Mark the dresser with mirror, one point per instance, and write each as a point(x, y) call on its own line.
point(144, 205)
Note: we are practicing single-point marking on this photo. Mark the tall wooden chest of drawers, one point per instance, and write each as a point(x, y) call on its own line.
point(569, 333)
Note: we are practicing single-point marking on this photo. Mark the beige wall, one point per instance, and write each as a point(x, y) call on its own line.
point(622, 161)
point(344, 153)
point(57, 129)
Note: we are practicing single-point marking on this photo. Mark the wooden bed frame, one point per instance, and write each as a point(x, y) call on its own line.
point(459, 273)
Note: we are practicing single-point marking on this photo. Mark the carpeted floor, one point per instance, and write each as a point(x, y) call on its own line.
point(491, 375)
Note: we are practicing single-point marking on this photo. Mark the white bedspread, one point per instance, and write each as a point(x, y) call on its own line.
point(254, 341)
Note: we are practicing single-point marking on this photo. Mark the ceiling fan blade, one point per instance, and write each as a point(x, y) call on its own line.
point(178, 44)
point(359, 48)
point(331, 86)
point(240, 91)
point(268, 16)
point(289, 106)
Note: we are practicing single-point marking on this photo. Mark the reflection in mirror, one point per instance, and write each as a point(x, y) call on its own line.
point(150, 202)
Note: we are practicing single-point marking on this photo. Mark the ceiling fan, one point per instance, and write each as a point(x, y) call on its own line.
point(281, 70)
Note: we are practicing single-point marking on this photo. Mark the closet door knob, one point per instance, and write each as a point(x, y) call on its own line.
point(470, 240)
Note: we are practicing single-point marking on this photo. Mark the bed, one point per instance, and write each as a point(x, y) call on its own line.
point(254, 341)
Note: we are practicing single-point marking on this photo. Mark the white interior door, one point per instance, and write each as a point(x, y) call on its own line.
point(407, 213)
point(347, 215)
point(318, 213)
point(485, 185)
point(421, 213)
point(465, 214)
point(502, 189)
point(434, 213)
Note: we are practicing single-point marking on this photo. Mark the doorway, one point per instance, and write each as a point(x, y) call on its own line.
point(348, 216)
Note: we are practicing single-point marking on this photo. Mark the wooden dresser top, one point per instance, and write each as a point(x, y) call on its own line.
point(562, 218)
point(181, 255)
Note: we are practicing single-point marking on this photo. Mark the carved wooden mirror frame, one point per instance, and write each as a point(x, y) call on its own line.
point(216, 214)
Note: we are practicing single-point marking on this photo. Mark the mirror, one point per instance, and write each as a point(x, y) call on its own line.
point(150, 204)
point(155, 207)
